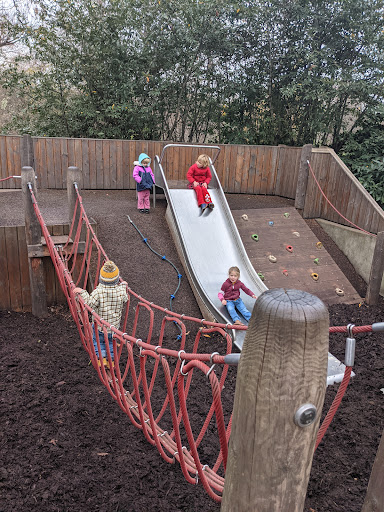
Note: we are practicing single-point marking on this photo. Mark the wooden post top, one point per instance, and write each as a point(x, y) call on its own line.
point(281, 377)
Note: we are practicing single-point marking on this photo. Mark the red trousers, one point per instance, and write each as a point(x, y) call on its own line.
point(202, 195)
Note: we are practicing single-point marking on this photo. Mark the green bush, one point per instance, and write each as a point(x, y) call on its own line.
point(364, 154)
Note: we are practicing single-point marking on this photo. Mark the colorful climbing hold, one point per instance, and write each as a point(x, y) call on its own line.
point(339, 292)
point(244, 217)
point(285, 272)
point(255, 237)
point(272, 258)
point(289, 248)
point(319, 245)
point(315, 276)
point(261, 276)
point(296, 233)
point(316, 260)
point(286, 215)
point(271, 222)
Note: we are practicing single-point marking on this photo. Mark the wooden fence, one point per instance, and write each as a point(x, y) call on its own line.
point(108, 164)
point(269, 170)
point(14, 276)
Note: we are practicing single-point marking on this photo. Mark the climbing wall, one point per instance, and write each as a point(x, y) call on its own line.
point(285, 251)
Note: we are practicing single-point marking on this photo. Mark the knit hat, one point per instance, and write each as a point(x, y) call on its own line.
point(109, 273)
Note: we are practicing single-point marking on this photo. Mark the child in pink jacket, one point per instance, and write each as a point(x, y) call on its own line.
point(145, 179)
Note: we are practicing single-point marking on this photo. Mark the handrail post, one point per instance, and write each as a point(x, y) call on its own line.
point(302, 179)
point(27, 153)
point(280, 388)
point(73, 176)
point(374, 500)
point(33, 239)
point(377, 270)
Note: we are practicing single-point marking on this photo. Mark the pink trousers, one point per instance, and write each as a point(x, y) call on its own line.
point(143, 199)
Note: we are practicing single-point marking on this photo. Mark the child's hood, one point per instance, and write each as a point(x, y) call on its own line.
point(142, 157)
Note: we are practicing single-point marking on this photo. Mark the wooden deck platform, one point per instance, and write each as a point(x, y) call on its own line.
point(292, 269)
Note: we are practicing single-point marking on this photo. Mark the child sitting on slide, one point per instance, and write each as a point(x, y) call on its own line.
point(199, 175)
point(230, 296)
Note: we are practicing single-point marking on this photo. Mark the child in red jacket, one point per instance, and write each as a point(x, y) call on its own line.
point(199, 175)
point(230, 296)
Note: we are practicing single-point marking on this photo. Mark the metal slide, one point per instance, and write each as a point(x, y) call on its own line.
point(209, 244)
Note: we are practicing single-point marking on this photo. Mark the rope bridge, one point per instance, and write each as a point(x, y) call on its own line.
point(137, 365)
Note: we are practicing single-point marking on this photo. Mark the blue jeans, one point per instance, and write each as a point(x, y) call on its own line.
point(238, 304)
point(102, 343)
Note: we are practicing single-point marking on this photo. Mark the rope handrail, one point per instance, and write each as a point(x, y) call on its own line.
point(332, 206)
point(136, 358)
point(9, 178)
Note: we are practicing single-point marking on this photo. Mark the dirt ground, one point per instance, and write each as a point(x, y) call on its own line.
point(66, 446)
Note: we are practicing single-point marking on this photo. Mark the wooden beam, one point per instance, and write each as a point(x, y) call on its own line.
point(27, 152)
point(374, 500)
point(279, 396)
point(42, 251)
point(302, 179)
point(377, 270)
point(33, 237)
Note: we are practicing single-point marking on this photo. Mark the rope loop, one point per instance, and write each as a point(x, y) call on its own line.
point(213, 354)
point(350, 330)
point(182, 367)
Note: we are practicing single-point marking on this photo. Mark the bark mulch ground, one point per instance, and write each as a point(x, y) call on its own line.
point(67, 447)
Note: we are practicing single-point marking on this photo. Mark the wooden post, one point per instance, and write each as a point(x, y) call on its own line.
point(27, 153)
point(374, 500)
point(377, 270)
point(33, 238)
point(73, 176)
point(302, 179)
point(281, 379)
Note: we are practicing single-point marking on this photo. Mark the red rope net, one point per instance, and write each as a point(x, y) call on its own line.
point(151, 383)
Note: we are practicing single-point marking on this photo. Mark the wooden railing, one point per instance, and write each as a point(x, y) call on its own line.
point(343, 191)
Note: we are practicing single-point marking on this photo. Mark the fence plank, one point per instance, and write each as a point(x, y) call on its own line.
point(13, 266)
point(50, 165)
point(107, 171)
point(5, 299)
point(3, 162)
point(23, 265)
point(99, 165)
